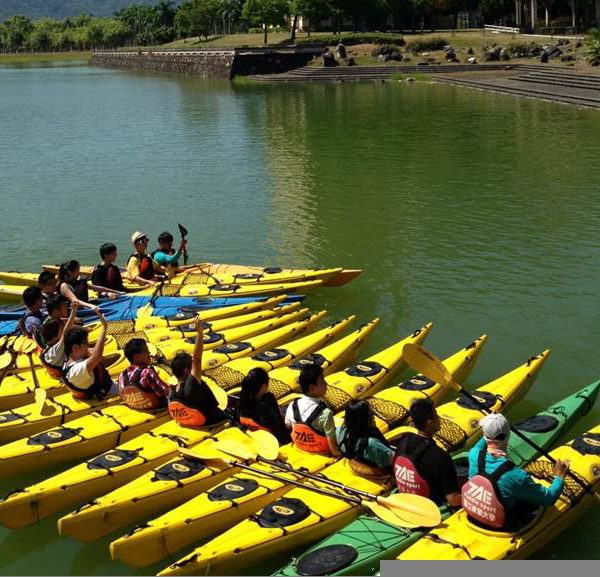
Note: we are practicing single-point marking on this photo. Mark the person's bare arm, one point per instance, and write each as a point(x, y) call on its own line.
point(98, 351)
point(66, 291)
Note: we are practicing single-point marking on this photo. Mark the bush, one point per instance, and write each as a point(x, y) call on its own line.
point(385, 49)
point(353, 39)
point(592, 45)
point(426, 45)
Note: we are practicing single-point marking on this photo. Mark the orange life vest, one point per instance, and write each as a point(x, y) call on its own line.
point(186, 416)
point(304, 435)
point(135, 396)
point(252, 424)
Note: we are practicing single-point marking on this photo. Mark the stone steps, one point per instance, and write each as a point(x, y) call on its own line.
point(566, 82)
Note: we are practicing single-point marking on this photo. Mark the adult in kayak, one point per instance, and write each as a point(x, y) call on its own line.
point(165, 255)
point(47, 282)
point(83, 372)
point(191, 402)
point(422, 467)
point(258, 408)
point(53, 333)
point(499, 495)
point(140, 386)
point(31, 322)
point(140, 266)
point(309, 418)
point(362, 442)
point(107, 274)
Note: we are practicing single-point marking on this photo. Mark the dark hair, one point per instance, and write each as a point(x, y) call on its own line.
point(50, 330)
point(360, 424)
point(67, 267)
point(75, 336)
point(106, 249)
point(165, 237)
point(309, 375)
point(251, 384)
point(46, 277)
point(31, 295)
point(135, 347)
point(421, 411)
point(56, 302)
point(181, 361)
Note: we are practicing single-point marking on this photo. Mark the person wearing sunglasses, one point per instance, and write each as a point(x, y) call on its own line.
point(140, 266)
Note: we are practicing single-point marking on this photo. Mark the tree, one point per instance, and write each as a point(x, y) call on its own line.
point(313, 10)
point(266, 13)
point(198, 17)
point(16, 30)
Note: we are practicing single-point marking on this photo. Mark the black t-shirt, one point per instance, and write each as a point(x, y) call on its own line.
point(196, 395)
point(434, 465)
point(266, 412)
point(108, 276)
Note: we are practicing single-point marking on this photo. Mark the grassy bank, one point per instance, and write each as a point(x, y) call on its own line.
point(45, 57)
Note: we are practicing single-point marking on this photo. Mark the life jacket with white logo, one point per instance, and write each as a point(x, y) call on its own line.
point(134, 395)
point(408, 478)
point(481, 498)
point(304, 435)
point(186, 416)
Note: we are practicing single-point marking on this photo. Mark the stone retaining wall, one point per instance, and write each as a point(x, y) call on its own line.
point(218, 64)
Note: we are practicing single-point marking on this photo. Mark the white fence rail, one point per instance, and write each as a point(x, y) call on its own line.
point(499, 29)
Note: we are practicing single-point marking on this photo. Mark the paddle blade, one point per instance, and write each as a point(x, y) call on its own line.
point(413, 508)
point(28, 347)
point(182, 230)
point(427, 363)
point(219, 394)
point(145, 311)
point(388, 515)
point(203, 452)
point(40, 399)
point(6, 360)
point(265, 443)
point(236, 449)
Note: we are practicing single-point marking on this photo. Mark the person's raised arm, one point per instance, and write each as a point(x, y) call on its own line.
point(198, 349)
point(96, 357)
point(70, 322)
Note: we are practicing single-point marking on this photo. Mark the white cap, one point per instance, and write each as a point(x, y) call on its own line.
point(136, 236)
point(495, 427)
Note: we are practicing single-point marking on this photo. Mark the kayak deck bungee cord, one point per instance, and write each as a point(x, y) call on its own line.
point(178, 479)
point(224, 505)
point(302, 516)
point(358, 548)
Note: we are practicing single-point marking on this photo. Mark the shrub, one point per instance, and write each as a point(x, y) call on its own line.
point(353, 39)
point(385, 49)
point(426, 45)
point(592, 45)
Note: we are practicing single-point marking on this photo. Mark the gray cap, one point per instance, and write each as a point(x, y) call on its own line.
point(495, 427)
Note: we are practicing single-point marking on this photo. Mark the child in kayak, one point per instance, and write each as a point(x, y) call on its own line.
point(191, 402)
point(47, 282)
point(420, 465)
point(499, 495)
point(31, 322)
point(53, 334)
point(311, 420)
point(140, 266)
point(58, 311)
point(362, 442)
point(165, 255)
point(258, 408)
point(107, 274)
point(83, 372)
point(140, 387)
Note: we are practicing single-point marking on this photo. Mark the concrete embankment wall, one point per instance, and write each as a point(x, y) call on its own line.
point(218, 64)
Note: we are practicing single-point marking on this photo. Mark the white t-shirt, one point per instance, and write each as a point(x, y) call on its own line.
point(78, 374)
point(55, 355)
point(306, 405)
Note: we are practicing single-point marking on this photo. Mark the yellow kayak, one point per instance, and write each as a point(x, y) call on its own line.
point(178, 480)
point(185, 525)
point(107, 427)
point(459, 539)
point(302, 517)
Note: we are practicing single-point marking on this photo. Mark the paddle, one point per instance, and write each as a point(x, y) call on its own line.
point(183, 231)
point(40, 393)
point(146, 310)
point(399, 509)
point(427, 363)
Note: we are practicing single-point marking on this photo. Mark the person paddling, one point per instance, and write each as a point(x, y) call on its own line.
point(83, 372)
point(191, 402)
point(140, 386)
point(362, 442)
point(420, 465)
point(106, 274)
point(258, 408)
point(499, 495)
point(140, 266)
point(165, 255)
point(311, 420)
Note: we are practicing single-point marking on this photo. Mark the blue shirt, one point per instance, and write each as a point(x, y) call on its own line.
point(164, 259)
point(515, 484)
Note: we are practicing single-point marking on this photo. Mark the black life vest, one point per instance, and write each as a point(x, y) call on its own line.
point(99, 388)
point(146, 265)
point(304, 435)
point(108, 276)
point(481, 497)
point(408, 478)
point(79, 288)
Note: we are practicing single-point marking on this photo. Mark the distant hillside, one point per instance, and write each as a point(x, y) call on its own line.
point(60, 9)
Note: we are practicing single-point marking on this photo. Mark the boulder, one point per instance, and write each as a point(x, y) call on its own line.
point(470, 52)
point(472, 60)
point(340, 51)
point(544, 57)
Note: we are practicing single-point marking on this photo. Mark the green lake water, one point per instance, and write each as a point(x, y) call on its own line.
point(473, 210)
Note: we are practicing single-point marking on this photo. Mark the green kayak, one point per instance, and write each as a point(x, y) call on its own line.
point(358, 548)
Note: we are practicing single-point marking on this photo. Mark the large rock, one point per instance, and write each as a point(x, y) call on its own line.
point(544, 57)
point(340, 51)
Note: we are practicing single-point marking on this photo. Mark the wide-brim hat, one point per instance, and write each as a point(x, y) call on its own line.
point(138, 236)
